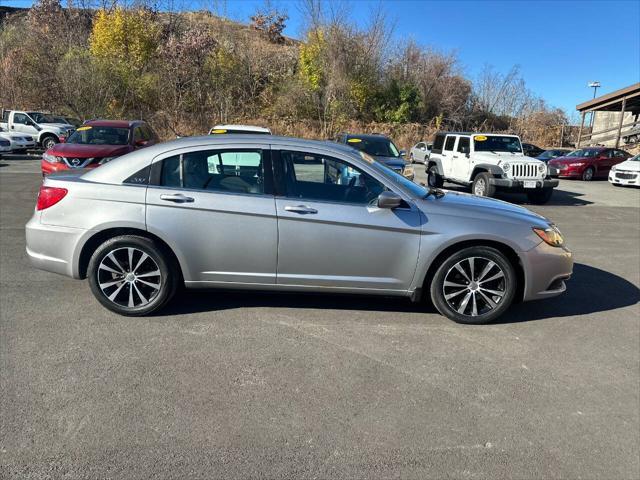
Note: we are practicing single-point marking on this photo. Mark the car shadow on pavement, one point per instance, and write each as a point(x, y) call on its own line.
point(590, 290)
point(559, 197)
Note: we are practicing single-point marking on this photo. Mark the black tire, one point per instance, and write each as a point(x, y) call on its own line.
point(434, 179)
point(541, 196)
point(49, 141)
point(481, 186)
point(102, 271)
point(450, 307)
point(588, 174)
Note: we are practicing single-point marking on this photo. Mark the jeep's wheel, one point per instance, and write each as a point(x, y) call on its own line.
point(132, 275)
point(475, 285)
point(434, 179)
point(49, 141)
point(587, 175)
point(540, 197)
point(482, 187)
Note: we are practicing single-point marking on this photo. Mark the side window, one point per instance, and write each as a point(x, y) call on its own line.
point(449, 144)
point(19, 118)
point(317, 177)
point(147, 132)
point(620, 153)
point(138, 135)
point(438, 143)
point(234, 171)
point(464, 145)
point(420, 146)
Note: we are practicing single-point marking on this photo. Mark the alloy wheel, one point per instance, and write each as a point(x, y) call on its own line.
point(474, 286)
point(129, 277)
point(479, 188)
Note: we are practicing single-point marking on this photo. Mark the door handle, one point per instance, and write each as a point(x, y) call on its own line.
point(176, 198)
point(301, 209)
point(455, 156)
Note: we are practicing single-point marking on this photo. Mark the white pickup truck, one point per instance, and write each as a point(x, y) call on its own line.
point(43, 128)
point(487, 162)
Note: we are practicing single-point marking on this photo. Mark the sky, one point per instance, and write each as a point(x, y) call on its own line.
point(559, 46)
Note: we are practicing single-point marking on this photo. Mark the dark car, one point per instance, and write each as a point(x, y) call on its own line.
point(96, 142)
point(530, 150)
point(381, 148)
point(551, 154)
point(588, 163)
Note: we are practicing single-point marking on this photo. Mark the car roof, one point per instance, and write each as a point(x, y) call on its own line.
point(365, 135)
point(112, 123)
point(246, 128)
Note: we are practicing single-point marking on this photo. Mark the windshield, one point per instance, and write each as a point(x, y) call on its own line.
point(42, 118)
point(376, 146)
point(585, 152)
point(89, 135)
point(635, 159)
point(496, 143)
point(415, 189)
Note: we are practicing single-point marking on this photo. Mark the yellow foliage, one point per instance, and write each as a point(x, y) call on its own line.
point(130, 36)
point(311, 68)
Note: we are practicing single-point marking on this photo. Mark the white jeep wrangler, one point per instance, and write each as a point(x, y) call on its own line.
point(487, 162)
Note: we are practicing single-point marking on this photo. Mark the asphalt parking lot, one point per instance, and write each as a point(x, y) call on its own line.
point(228, 385)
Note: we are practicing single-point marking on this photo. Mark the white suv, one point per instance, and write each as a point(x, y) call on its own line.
point(486, 162)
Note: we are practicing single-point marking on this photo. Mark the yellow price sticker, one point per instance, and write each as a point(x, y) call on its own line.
point(82, 129)
point(218, 130)
point(354, 140)
point(480, 138)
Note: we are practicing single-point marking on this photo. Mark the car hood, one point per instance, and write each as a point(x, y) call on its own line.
point(391, 161)
point(491, 157)
point(467, 205)
point(87, 151)
point(631, 165)
point(9, 135)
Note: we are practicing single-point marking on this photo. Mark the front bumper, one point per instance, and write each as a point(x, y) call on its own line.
point(546, 270)
point(53, 248)
point(616, 180)
point(23, 146)
point(511, 184)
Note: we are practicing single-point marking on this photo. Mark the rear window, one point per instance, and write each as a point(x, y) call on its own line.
point(451, 141)
point(438, 144)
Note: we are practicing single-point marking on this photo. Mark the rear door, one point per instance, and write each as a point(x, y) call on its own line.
point(461, 162)
point(215, 208)
point(331, 232)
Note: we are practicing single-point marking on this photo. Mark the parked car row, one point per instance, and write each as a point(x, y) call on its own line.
point(46, 130)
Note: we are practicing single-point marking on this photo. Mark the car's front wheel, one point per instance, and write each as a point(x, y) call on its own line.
point(132, 275)
point(474, 285)
point(482, 187)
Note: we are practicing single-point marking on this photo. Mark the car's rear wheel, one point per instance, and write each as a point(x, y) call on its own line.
point(132, 275)
point(482, 187)
point(587, 174)
point(474, 285)
point(541, 196)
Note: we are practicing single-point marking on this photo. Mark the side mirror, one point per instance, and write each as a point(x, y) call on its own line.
point(403, 153)
point(388, 199)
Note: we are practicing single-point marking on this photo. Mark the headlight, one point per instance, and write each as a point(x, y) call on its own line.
point(50, 158)
point(550, 235)
point(105, 160)
point(613, 169)
point(542, 168)
point(505, 166)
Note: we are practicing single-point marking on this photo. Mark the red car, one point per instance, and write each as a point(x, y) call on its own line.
point(588, 163)
point(96, 142)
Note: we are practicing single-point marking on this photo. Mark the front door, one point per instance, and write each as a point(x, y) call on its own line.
point(447, 156)
point(331, 232)
point(216, 207)
point(23, 124)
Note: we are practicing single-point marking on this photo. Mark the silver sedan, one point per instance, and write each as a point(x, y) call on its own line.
point(420, 152)
point(257, 212)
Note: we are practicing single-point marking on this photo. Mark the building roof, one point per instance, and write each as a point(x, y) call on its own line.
point(612, 102)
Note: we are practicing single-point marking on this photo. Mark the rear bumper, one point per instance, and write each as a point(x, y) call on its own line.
point(510, 184)
point(52, 248)
point(546, 270)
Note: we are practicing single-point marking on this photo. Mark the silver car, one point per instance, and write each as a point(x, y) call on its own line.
point(420, 152)
point(275, 213)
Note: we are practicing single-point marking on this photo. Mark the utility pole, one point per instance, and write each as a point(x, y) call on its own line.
point(595, 86)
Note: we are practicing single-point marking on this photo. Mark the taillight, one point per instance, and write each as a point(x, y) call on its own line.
point(49, 196)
